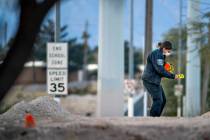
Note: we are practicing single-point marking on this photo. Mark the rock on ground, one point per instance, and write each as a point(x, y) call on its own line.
point(65, 126)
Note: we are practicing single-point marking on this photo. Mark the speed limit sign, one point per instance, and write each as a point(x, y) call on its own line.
point(57, 68)
point(57, 81)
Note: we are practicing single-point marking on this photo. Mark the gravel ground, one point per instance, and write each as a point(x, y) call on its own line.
point(54, 123)
point(84, 105)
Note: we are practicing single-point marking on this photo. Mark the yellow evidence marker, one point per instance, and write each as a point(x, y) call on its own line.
point(181, 76)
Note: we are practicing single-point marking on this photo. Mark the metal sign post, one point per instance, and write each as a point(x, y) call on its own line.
point(130, 85)
point(57, 69)
point(178, 93)
point(145, 103)
point(130, 106)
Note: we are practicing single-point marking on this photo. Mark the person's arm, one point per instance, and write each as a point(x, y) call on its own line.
point(158, 63)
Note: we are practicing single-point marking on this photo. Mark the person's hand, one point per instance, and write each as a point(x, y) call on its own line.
point(176, 76)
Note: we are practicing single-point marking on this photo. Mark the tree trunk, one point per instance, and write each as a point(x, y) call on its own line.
point(32, 14)
point(205, 85)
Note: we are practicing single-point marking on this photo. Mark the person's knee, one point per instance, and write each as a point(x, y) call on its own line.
point(158, 104)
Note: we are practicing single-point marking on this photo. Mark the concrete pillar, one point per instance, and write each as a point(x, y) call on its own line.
point(193, 62)
point(111, 59)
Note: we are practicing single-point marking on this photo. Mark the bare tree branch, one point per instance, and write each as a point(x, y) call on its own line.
point(31, 16)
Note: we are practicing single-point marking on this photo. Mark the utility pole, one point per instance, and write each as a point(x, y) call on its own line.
point(85, 36)
point(179, 86)
point(148, 29)
point(57, 22)
point(180, 40)
point(57, 33)
point(193, 62)
point(148, 44)
point(131, 56)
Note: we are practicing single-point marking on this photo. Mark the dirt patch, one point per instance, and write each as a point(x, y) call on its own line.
point(206, 115)
point(64, 125)
point(84, 105)
point(41, 108)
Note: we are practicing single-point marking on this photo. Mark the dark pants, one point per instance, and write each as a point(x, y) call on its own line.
point(158, 97)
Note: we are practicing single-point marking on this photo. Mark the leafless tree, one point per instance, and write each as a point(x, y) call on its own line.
point(32, 13)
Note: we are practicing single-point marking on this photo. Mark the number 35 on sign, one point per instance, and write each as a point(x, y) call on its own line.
point(57, 81)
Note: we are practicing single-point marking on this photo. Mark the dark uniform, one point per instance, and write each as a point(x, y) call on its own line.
point(151, 77)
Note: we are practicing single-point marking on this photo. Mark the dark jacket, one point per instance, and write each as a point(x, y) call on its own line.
point(154, 69)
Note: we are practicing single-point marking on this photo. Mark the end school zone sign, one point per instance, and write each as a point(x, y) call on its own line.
point(57, 68)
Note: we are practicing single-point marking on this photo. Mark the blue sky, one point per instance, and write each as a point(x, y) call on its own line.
point(75, 13)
